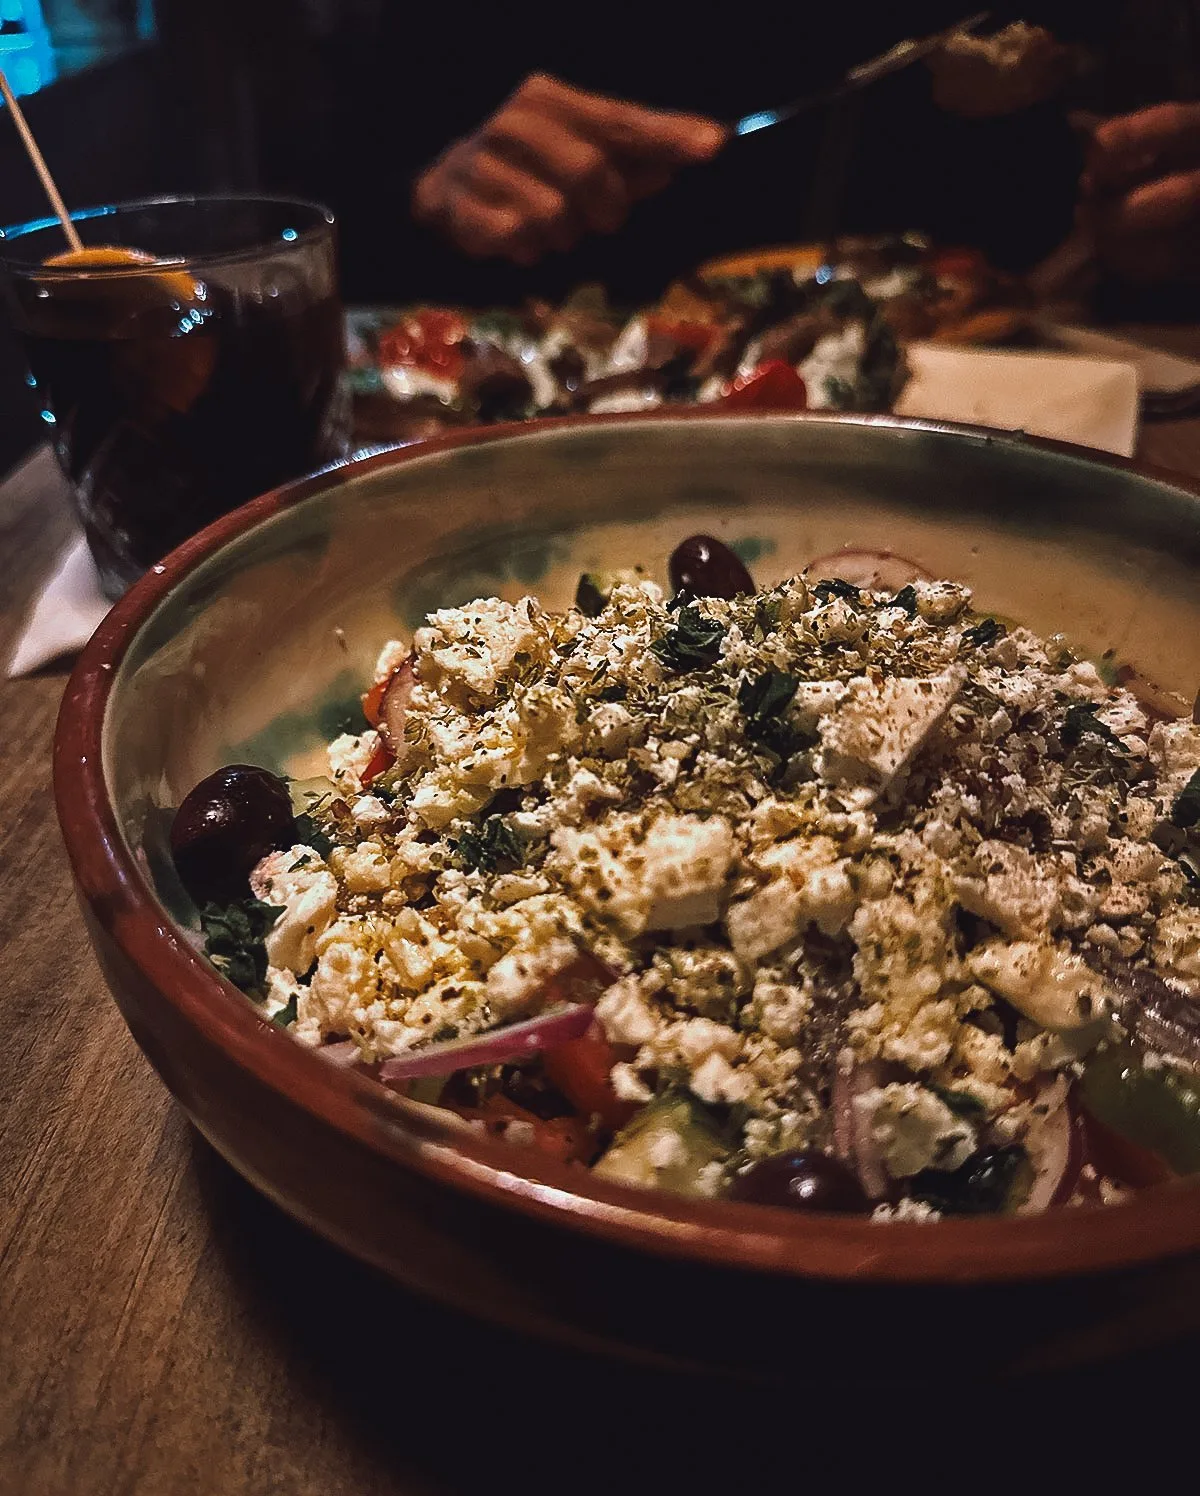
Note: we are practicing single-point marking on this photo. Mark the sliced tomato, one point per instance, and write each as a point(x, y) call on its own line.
point(774, 385)
point(430, 340)
point(564, 1138)
point(959, 263)
point(372, 701)
point(581, 1069)
point(382, 759)
point(1118, 1158)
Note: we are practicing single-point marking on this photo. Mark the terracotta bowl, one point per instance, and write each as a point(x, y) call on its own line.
point(253, 641)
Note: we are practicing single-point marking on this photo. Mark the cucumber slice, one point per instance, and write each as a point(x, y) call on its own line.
point(666, 1146)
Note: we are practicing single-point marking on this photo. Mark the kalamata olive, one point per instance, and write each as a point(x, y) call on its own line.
point(227, 824)
point(706, 568)
point(803, 1179)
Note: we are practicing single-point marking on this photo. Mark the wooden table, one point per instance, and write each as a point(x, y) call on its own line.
point(163, 1329)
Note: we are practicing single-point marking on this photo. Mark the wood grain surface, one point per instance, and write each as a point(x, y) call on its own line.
point(163, 1329)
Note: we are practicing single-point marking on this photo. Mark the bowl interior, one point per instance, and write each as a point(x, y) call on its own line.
point(261, 651)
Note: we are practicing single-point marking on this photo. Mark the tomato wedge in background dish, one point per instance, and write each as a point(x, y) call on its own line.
point(696, 337)
point(774, 385)
point(430, 340)
point(959, 263)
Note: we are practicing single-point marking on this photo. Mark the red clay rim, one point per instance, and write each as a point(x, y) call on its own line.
point(1160, 1222)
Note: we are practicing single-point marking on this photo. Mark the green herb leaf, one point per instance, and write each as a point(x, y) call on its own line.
point(287, 1014)
point(589, 598)
point(494, 842)
point(234, 941)
point(309, 833)
point(982, 1186)
point(984, 633)
point(839, 393)
point(906, 598)
point(767, 613)
point(1108, 669)
point(1186, 810)
point(961, 1103)
point(831, 587)
point(498, 326)
point(763, 699)
point(694, 640)
point(1081, 721)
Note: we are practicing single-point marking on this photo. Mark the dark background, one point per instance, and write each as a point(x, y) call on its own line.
point(346, 100)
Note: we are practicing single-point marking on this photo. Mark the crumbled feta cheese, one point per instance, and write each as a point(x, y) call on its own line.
point(349, 756)
point(914, 1129)
point(879, 726)
point(299, 882)
point(518, 980)
point(667, 875)
point(1053, 987)
point(764, 832)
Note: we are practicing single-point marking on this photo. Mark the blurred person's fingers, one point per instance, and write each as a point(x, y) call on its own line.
point(647, 135)
point(1135, 148)
point(552, 163)
point(1161, 207)
point(442, 199)
point(1153, 232)
point(580, 170)
point(546, 219)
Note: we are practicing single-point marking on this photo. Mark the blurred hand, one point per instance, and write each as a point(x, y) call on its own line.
point(1141, 193)
point(553, 164)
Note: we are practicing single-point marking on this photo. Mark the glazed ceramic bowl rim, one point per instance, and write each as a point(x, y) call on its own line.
point(1157, 1223)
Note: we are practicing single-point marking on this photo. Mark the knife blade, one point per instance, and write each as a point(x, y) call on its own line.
point(894, 60)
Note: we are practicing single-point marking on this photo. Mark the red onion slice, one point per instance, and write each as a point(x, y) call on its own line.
point(881, 571)
point(1163, 1016)
point(516, 1041)
point(343, 1053)
point(853, 1141)
point(1163, 705)
point(1054, 1144)
point(393, 708)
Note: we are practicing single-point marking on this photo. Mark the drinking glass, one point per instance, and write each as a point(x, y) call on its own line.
point(176, 387)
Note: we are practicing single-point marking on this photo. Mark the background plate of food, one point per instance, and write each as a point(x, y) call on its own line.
point(785, 329)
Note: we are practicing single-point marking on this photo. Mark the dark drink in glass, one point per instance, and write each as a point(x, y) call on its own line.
point(181, 385)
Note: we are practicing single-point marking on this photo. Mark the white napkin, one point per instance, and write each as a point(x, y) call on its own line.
point(1091, 401)
point(65, 613)
point(1158, 373)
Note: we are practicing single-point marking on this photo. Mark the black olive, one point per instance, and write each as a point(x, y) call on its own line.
point(226, 825)
point(804, 1179)
point(498, 385)
point(981, 1186)
point(704, 567)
